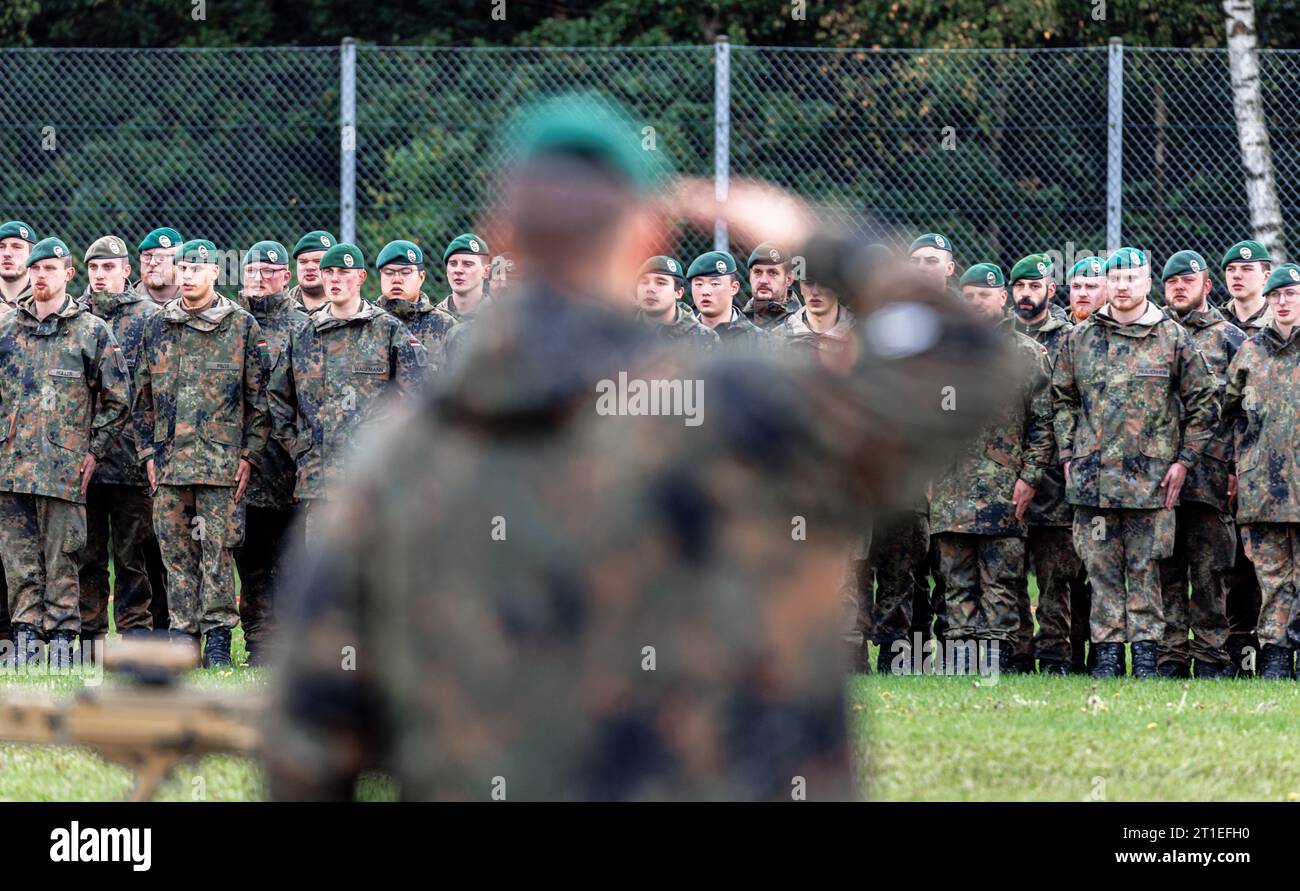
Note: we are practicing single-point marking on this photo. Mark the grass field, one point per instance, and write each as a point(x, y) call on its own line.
point(921, 738)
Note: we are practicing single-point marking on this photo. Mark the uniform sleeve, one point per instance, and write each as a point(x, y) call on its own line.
point(142, 412)
point(1199, 393)
point(410, 362)
point(257, 418)
point(282, 396)
point(1039, 440)
point(1065, 398)
point(112, 387)
point(1234, 394)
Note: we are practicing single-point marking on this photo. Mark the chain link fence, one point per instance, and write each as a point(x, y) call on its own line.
point(1004, 151)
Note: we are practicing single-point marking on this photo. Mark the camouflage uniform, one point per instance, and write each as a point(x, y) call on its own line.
point(520, 660)
point(739, 331)
point(683, 325)
point(269, 508)
point(118, 498)
point(899, 543)
point(428, 323)
point(1245, 599)
point(980, 542)
point(1261, 404)
point(65, 392)
point(1206, 537)
point(295, 297)
point(337, 380)
point(448, 305)
point(200, 408)
point(772, 313)
point(1050, 543)
point(1130, 400)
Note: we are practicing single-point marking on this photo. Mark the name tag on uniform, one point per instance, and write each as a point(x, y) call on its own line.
point(1151, 372)
point(370, 369)
point(221, 366)
point(64, 372)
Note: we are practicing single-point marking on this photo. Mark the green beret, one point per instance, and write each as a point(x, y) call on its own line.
point(983, 275)
point(18, 229)
point(768, 253)
point(1184, 263)
point(663, 265)
point(1127, 258)
point(1284, 276)
point(272, 253)
point(1035, 266)
point(47, 248)
point(403, 253)
point(589, 127)
point(161, 238)
point(931, 239)
point(197, 250)
point(343, 256)
point(315, 240)
point(1246, 252)
point(712, 263)
point(108, 247)
point(465, 243)
point(1088, 267)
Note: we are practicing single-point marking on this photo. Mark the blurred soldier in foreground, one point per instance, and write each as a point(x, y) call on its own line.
point(119, 509)
point(1135, 408)
point(1050, 544)
point(625, 604)
point(309, 293)
point(1206, 538)
point(1262, 406)
point(401, 289)
point(660, 286)
point(269, 514)
point(771, 286)
point(65, 396)
point(200, 424)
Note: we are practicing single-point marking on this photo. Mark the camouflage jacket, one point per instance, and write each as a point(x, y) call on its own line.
point(795, 327)
point(64, 391)
point(579, 545)
point(684, 326)
point(973, 495)
point(1049, 507)
point(448, 305)
point(739, 331)
point(142, 292)
point(1130, 400)
point(1256, 321)
point(200, 400)
point(337, 380)
point(428, 323)
point(771, 314)
point(271, 485)
point(126, 315)
point(1263, 410)
point(295, 296)
point(1218, 340)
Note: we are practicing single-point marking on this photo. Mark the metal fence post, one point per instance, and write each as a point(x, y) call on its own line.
point(347, 139)
point(721, 133)
point(1114, 145)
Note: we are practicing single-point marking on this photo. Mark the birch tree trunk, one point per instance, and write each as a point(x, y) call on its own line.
point(1252, 132)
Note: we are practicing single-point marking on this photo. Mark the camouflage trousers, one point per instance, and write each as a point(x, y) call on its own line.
point(1205, 543)
point(1274, 548)
point(1121, 549)
point(267, 536)
point(929, 607)
point(980, 576)
point(197, 526)
point(126, 512)
point(898, 550)
point(1057, 568)
point(1244, 603)
point(39, 540)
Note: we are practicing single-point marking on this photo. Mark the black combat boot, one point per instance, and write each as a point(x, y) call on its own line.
point(216, 649)
point(1110, 660)
point(959, 656)
point(1173, 668)
point(1211, 670)
point(1052, 667)
point(894, 656)
point(28, 648)
point(1144, 659)
point(1274, 663)
point(62, 644)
